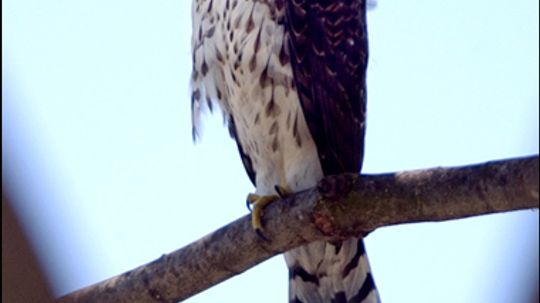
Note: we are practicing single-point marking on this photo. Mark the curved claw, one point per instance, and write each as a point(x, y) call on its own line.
point(261, 235)
point(282, 191)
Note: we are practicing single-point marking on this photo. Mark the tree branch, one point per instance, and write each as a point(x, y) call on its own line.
point(341, 206)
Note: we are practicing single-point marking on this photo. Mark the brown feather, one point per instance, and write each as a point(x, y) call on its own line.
point(329, 63)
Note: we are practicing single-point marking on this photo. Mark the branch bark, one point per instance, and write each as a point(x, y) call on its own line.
point(339, 207)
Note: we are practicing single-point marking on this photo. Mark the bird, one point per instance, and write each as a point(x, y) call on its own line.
point(289, 77)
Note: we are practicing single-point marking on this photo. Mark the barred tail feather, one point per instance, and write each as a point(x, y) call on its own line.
point(323, 272)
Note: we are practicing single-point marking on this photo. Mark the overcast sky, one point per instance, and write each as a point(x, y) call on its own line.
point(97, 146)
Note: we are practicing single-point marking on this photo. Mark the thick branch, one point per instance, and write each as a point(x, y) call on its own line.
point(341, 206)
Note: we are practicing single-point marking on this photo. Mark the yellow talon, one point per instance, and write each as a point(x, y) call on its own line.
point(258, 203)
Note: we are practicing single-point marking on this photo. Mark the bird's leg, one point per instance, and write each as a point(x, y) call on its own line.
point(257, 203)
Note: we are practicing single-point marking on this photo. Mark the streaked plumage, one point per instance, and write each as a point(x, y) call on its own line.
point(289, 77)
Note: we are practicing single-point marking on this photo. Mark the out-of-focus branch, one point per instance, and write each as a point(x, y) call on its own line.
point(341, 206)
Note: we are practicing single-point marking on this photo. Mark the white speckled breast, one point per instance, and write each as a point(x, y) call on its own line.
point(241, 63)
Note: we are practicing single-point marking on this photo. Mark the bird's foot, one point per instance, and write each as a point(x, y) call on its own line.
point(256, 204)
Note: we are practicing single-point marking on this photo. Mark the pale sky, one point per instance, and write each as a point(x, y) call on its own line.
point(97, 146)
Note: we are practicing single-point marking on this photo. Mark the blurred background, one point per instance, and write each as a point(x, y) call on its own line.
point(100, 168)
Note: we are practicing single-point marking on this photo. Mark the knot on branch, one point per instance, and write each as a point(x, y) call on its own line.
point(332, 189)
point(336, 186)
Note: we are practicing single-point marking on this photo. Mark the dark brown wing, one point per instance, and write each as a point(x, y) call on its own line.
point(329, 53)
point(246, 160)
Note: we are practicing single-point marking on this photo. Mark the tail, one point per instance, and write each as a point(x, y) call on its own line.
point(324, 272)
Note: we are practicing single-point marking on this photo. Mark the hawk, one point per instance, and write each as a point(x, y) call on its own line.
point(289, 78)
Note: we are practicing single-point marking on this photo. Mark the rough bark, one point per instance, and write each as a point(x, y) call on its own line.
point(339, 207)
